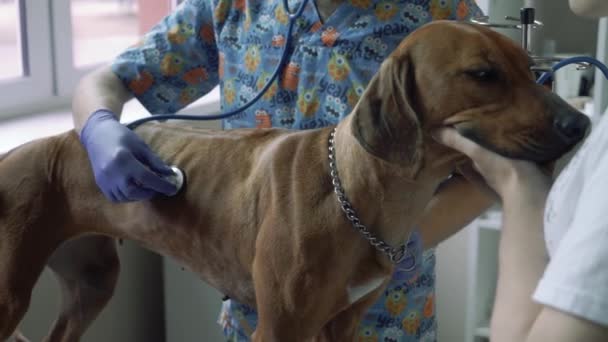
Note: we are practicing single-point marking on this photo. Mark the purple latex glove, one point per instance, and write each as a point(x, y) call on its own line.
point(124, 166)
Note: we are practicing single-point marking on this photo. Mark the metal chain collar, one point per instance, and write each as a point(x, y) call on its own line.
point(395, 254)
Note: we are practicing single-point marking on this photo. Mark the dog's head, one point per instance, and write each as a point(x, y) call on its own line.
point(468, 77)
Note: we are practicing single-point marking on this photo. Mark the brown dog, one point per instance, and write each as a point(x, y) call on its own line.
point(259, 219)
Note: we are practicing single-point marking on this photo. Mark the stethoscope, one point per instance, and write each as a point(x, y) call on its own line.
point(292, 17)
point(573, 60)
point(409, 262)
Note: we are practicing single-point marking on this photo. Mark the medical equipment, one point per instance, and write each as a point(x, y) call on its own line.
point(573, 60)
point(177, 179)
point(526, 24)
point(293, 17)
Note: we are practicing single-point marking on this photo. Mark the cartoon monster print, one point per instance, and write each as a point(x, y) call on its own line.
point(141, 83)
point(429, 336)
point(396, 301)
point(247, 22)
point(252, 58)
point(165, 94)
point(334, 108)
point(221, 11)
point(262, 119)
point(308, 102)
point(374, 46)
point(429, 306)
point(414, 15)
point(246, 94)
point(286, 116)
point(264, 24)
point(278, 40)
point(440, 9)
point(207, 34)
point(353, 94)
point(367, 334)
point(188, 95)
point(385, 10)
point(316, 26)
point(362, 22)
point(180, 32)
point(462, 10)
point(291, 76)
point(280, 15)
point(229, 92)
point(262, 81)
point(338, 67)
point(171, 64)
point(362, 4)
point(411, 322)
point(196, 76)
point(392, 334)
point(151, 56)
point(329, 36)
point(240, 5)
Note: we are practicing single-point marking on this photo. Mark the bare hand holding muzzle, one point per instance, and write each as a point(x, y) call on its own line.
point(492, 172)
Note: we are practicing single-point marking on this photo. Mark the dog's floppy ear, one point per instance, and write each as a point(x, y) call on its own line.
point(384, 122)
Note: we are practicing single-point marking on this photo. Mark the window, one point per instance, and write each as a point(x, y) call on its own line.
point(91, 32)
point(25, 69)
point(47, 46)
point(102, 29)
point(10, 40)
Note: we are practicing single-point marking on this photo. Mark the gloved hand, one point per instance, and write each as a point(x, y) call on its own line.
point(124, 166)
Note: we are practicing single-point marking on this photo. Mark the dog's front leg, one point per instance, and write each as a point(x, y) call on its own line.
point(294, 303)
point(344, 326)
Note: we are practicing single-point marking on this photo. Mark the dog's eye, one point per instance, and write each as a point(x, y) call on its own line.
point(483, 75)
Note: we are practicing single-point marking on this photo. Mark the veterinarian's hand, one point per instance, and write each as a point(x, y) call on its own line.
point(505, 176)
point(124, 166)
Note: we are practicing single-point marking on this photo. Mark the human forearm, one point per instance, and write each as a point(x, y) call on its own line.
point(523, 189)
point(135, 174)
point(101, 89)
point(522, 260)
point(447, 212)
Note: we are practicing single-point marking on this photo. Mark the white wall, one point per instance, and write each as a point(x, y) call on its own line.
point(135, 313)
point(192, 307)
point(452, 286)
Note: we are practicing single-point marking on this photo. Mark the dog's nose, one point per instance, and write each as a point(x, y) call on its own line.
point(572, 127)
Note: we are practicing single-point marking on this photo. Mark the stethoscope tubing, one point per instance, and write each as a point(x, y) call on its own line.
point(293, 17)
point(573, 60)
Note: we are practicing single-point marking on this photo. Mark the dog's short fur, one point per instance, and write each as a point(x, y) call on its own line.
point(258, 218)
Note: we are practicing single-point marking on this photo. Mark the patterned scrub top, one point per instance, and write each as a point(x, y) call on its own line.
point(237, 44)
